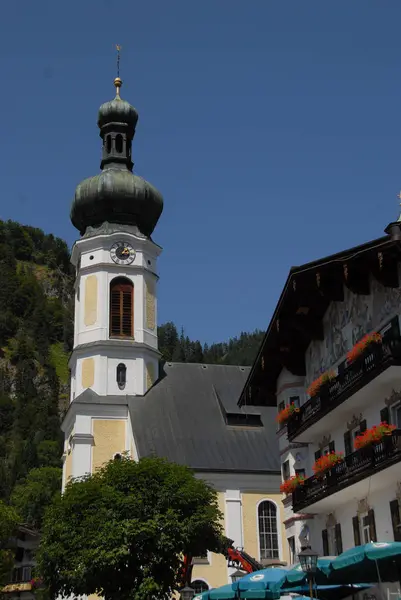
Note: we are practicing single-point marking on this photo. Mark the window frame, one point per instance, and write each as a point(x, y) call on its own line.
point(277, 533)
point(364, 528)
point(394, 408)
point(115, 282)
point(200, 580)
point(292, 551)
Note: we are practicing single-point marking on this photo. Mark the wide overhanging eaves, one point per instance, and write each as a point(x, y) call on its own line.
point(298, 317)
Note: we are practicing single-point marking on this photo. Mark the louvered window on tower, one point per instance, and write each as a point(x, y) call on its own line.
point(121, 308)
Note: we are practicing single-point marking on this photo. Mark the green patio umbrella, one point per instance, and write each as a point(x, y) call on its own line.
point(328, 592)
point(296, 576)
point(372, 563)
point(227, 592)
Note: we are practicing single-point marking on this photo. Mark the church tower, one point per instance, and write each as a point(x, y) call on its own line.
point(115, 351)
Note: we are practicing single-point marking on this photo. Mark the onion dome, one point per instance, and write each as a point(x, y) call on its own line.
point(116, 195)
point(117, 110)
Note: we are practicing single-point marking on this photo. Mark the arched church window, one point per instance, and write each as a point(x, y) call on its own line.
point(121, 308)
point(121, 376)
point(119, 143)
point(268, 532)
point(108, 144)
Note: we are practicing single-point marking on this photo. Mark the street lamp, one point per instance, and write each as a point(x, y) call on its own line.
point(308, 559)
point(237, 575)
point(187, 593)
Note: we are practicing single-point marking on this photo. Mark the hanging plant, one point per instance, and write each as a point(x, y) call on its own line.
point(36, 583)
point(315, 386)
point(365, 342)
point(373, 435)
point(287, 487)
point(327, 462)
point(286, 413)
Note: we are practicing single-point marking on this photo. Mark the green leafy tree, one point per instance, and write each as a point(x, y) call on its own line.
point(8, 524)
point(32, 497)
point(122, 532)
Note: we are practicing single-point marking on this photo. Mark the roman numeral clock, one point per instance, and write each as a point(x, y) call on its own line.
point(122, 253)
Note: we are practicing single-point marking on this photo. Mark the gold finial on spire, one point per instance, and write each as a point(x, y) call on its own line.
point(118, 82)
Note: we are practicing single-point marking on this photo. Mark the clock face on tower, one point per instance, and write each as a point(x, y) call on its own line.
point(122, 253)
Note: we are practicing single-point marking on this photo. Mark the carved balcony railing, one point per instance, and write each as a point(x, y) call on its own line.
point(376, 359)
point(355, 467)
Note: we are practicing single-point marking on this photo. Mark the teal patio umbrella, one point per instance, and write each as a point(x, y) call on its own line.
point(228, 592)
point(265, 579)
point(328, 592)
point(296, 576)
point(372, 563)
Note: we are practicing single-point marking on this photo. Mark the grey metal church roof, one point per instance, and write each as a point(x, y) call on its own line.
point(183, 418)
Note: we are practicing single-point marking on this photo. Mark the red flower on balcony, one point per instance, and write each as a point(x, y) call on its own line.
point(326, 462)
point(36, 582)
point(315, 386)
point(365, 342)
point(373, 435)
point(286, 413)
point(287, 487)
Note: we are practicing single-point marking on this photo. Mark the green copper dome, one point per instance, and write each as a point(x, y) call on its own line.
point(116, 195)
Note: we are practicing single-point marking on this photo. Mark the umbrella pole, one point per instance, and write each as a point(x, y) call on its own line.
point(379, 578)
point(311, 586)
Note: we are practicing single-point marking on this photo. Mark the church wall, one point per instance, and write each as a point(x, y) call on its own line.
point(346, 322)
point(110, 437)
point(250, 503)
point(215, 574)
point(240, 509)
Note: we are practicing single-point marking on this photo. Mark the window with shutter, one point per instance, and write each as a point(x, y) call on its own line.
point(332, 447)
point(396, 519)
point(325, 540)
point(286, 470)
point(385, 415)
point(121, 308)
point(362, 426)
point(318, 454)
point(357, 531)
point(339, 539)
point(372, 525)
point(348, 447)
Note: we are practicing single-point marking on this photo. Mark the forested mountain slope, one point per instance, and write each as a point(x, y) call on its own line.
point(36, 337)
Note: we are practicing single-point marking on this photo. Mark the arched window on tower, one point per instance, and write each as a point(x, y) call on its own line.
point(268, 533)
point(119, 143)
point(121, 375)
point(121, 308)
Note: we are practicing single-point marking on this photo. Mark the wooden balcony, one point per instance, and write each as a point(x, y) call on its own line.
point(355, 467)
point(350, 379)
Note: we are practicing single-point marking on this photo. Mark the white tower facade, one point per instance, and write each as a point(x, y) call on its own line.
point(115, 333)
point(115, 355)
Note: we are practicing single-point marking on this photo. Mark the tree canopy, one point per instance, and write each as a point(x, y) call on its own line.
point(8, 524)
point(123, 531)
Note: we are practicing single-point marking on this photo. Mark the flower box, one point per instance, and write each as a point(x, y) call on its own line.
point(287, 487)
point(360, 347)
point(316, 386)
point(373, 435)
point(327, 462)
point(286, 413)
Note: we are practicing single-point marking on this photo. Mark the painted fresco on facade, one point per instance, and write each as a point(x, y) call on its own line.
point(346, 322)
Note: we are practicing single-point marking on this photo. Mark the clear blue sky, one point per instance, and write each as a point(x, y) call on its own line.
point(272, 128)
